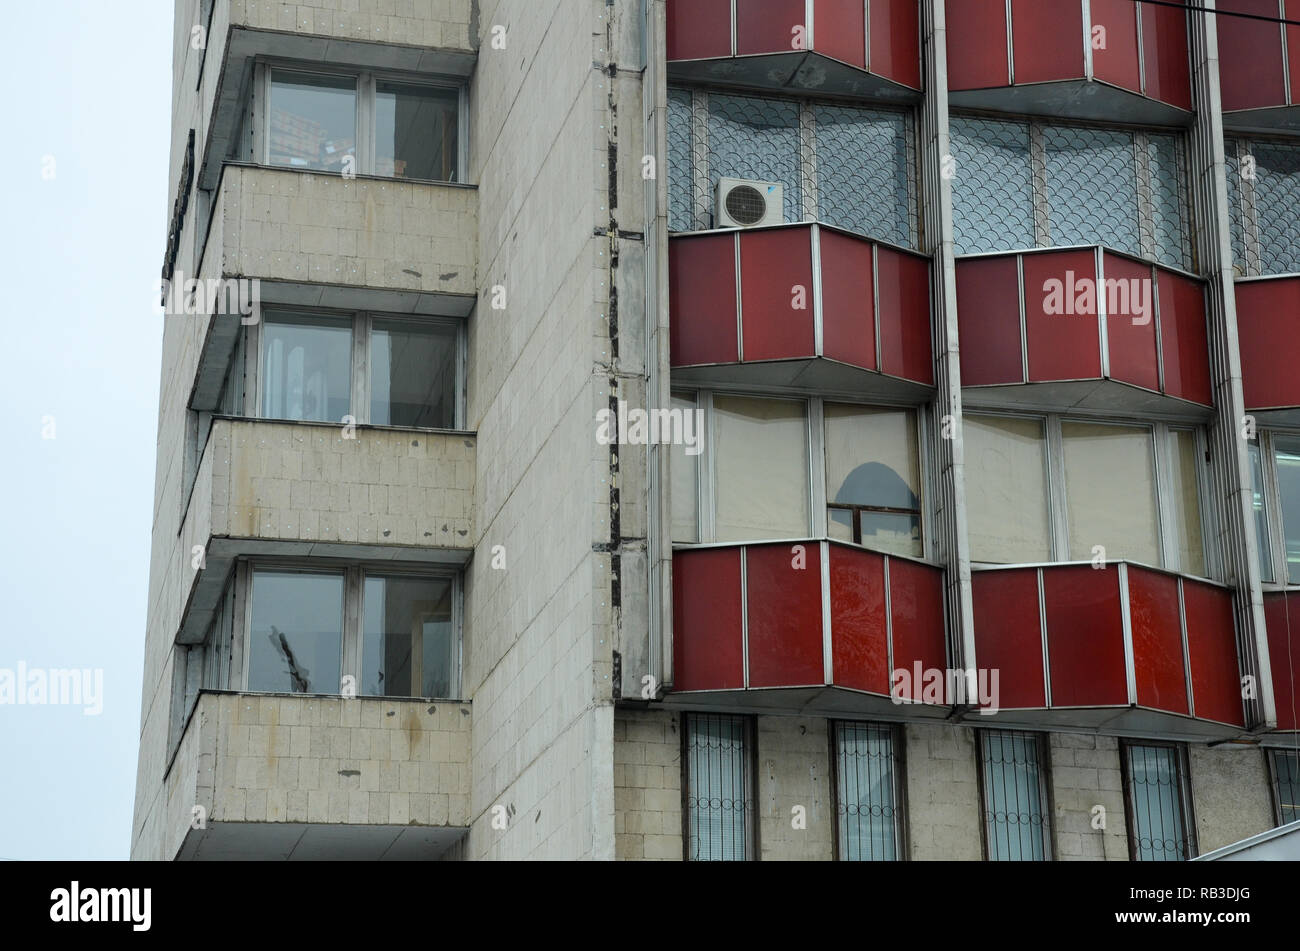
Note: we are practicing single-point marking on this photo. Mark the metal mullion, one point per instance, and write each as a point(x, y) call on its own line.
point(1165, 504)
point(353, 585)
point(700, 152)
point(360, 392)
point(262, 114)
point(1145, 193)
point(1085, 12)
point(1103, 312)
point(808, 171)
point(1024, 319)
point(1056, 490)
point(1286, 65)
point(1154, 304)
point(1250, 231)
point(816, 415)
point(1011, 49)
point(1042, 199)
point(366, 125)
point(708, 472)
point(253, 369)
point(242, 624)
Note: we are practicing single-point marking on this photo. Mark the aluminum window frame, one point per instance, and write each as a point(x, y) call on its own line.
point(1045, 799)
point(1186, 812)
point(898, 782)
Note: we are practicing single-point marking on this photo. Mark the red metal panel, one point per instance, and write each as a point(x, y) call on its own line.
point(775, 276)
point(1066, 345)
point(707, 639)
point(1131, 322)
point(1184, 343)
point(702, 299)
point(1164, 54)
point(1212, 650)
point(848, 307)
point(977, 44)
point(859, 640)
point(1283, 645)
point(1009, 635)
point(904, 291)
point(1293, 48)
point(1085, 636)
point(988, 320)
point(1117, 62)
point(1157, 640)
point(1250, 56)
point(699, 29)
point(840, 30)
point(1270, 347)
point(785, 615)
point(895, 40)
point(916, 608)
point(769, 26)
point(1047, 40)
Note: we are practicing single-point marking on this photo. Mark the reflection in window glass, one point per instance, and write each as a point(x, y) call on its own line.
point(313, 120)
point(684, 472)
point(1092, 187)
point(762, 468)
point(412, 374)
point(1111, 492)
point(756, 139)
point(307, 368)
point(408, 647)
point(296, 639)
point(993, 208)
point(1263, 544)
point(416, 131)
point(1287, 453)
point(1006, 490)
point(873, 479)
point(1187, 502)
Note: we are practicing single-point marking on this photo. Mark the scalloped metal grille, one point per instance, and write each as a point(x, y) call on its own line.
point(1264, 195)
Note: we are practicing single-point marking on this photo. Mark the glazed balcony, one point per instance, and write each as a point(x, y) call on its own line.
point(1032, 333)
point(1259, 65)
point(1124, 647)
point(1045, 57)
point(754, 631)
point(1268, 332)
point(870, 48)
point(1282, 616)
point(800, 305)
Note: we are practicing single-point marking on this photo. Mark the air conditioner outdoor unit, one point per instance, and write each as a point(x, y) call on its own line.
point(746, 204)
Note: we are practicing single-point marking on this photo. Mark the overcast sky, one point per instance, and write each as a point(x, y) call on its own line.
point(90, 87)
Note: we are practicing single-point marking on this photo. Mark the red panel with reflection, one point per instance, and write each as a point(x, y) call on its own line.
point(1212, 652)
point(904, 315)
point(699, 29)
point(840, 30)
point(1164, 54)
point(1118, 62)
point(702, 299)
point(1085, 636)
point(707, 640)
point(988, 319)
point(1131, 322)
point(1008, 635)
point(859, 640)
point(1184, 343)
point(1064, 346)
point(768, 26)
point(916, 604)
point(848, 317)
point(1250, 56)
point(895, 40)
point(775, 276)
point(1283, 646)
point(1270, 347)
point(785, 615)
point(1158, 666)
point(1047, 40)
point(977, 44)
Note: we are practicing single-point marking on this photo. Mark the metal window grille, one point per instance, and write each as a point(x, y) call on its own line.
point(867, 800)
point(1263, 192)
point(1021, 184)
point(1157, 803)
point(1286, 785)
point(845, 166)
point(1014, 782)
point(719, 788)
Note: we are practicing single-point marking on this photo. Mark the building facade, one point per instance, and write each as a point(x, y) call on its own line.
point(727, 429)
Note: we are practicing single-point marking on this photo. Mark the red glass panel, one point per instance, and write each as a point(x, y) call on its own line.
point(785, 615)
point(1131, 322)
point(707, 638)
point(904, 290)
point(1283, 647)
point(895, 41)
point(1061, 316)
point(988, 319)
point(702, 299)
point(769, 26)
point(839, 30)
point(1212, 651)
point(1008, 634)
point(1270, 347)
point(1085, 636)
point(699, 29)
point(916, 606)
point(1183, 338)
point(1164, 55)
point(859, 640)
point(1047, 40)
point(977, 44)
point(776, 294)
point(1159, 671)
point(1117, 61)
point(1250, 56)
point(848, 317)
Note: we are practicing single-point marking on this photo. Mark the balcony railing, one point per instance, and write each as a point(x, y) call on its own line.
point(1259, 64)
point(1032, 332)
point(1268, 331)
point(1282, 616)
point(870, 48)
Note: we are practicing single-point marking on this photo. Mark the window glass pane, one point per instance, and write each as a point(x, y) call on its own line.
point(681, 162)
point(1157, 803)
point(992, 194)
point(412, 374)
point(684, 471)
point(307, 368)
point(872, 460)
point(1187, 502)
point(416, 132)
point(1168, 185)
point(718, 795)
point(1263, 550)
point(869, 193)
point(1277, 196)
point(761, 462)
point(864, 802)
point(296, 640)
point(409, 647)
point(1111, 492)
point(756, 139)
point(1287, 452)
point(1006, 490)
point(1286, 783)
point(1015, 821)
point(1092, 187)
point(313, 120)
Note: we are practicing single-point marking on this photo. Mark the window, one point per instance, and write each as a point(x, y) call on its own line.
point(684, 471)
point(867, 792)
point(762, 468)
point(1264, 544)
point(306, 368)
point(413, 374)
point(719, 785)
point(295, 636)
point(1263, 193)
point(1159, 823)
point(1132, 490)
point(360, 123)
point(1013, 780)
point(1286, 784)
point(407, 645)
point(1275, 473)
point(1032, 184)
point(873, 479)
point(849, 167)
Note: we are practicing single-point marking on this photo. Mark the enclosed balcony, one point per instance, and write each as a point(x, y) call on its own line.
point(870, 48)
point(800, 305)
point(813, 626)
point(1122, 647)
point(1282, 615)
point(1259, 64)
point(1082, 329)
point(1113, 60)
point(1268, 331)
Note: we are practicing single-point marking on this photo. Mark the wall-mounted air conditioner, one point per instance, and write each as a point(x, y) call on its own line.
point(746, 204)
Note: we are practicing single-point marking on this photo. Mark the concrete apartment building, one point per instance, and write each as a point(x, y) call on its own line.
point(969, 526)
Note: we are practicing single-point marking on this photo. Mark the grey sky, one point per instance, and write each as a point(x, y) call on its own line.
point(90, 86)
